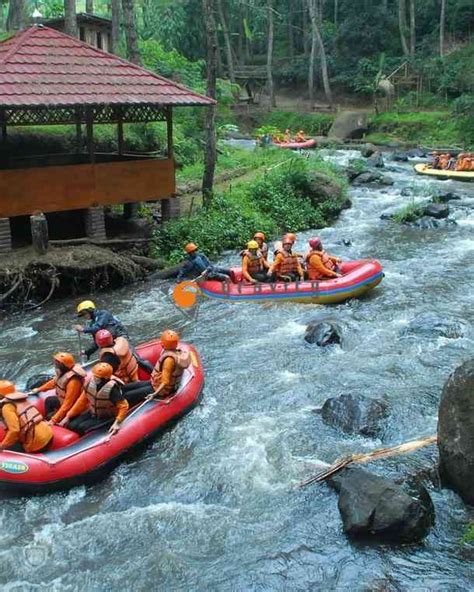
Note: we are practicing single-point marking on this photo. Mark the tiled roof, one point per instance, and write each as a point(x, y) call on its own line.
point(44, 67)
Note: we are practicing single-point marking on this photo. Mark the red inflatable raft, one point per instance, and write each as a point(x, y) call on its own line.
point(72, 460)
point(298, 145)
point(358, 278)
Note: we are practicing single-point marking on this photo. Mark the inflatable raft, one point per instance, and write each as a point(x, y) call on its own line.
point(358, 278)
point(423, 169)
point(298, 145)
point(73, 460)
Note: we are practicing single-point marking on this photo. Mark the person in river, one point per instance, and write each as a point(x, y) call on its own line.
point(254, 265)
point(127, 370)
point(198, 264)
point(96, 320)
point(169, 368)
point(262, 245)
point(67, 382)
point(319, 264)
point(286, 266)
point(100, 402)
point(26, 429)
point(435, 160)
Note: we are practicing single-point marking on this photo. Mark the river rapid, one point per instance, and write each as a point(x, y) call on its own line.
point(211, 505)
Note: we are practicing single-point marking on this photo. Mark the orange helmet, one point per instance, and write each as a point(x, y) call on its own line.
point(6, 388)
point(65, 359)
point(190, 248)
point(169, 339)
point(102, 370)
point(290, 236)
point(259, 235)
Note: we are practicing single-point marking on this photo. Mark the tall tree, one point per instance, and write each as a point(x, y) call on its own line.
point(70, 20)
point(412, 28)
point(336, 12)
point(228, 44)
point(402, 26)
point(133, 53)
point(442, 24)
point(271, 88)
point(115, 13)
point(17, 18)
point(318, 40)
point(90, 6)
point(210, 123)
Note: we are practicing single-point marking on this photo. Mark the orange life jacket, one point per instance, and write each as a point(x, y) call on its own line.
point(99, 401)
point(181, 361)
point(289, 263)
point(128, 369)
point(28, 417)
point(254, 262)
point(63, 380)
point(313, 273)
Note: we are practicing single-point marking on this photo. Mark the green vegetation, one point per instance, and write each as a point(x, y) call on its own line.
point(468, 537)
point(463, 112)
point(437, 128)
point(291, 193)
point(410, 213)
point(313, 124)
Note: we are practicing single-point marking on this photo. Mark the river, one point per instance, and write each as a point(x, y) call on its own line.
point(211, 504)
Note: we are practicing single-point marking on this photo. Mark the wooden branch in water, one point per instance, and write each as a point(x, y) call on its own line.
point(342, 463)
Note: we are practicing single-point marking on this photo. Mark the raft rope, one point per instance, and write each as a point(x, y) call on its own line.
point(342, 463)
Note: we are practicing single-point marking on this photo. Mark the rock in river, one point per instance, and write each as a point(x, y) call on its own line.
point(376, 160)
point(436, 210)
point(456, 431)
point(373, 506)
point(322, 334)
point(400, 157)
point(355, 414)
point(445, 197)
point(429, 324)
point(367, 150)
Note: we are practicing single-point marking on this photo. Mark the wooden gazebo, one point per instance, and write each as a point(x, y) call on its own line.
point(49, 78)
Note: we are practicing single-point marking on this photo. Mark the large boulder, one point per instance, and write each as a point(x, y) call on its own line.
point(367, 177)
point(376, 160)
point(375, 507)
point(416, 153)
point(400, 157)
point(436, 210)
point(322, 334)
point(456, 431)
point(356, 414)
point(349, 125)
point(367, 150)
point(445, 197)
point(432, 325)
point(323, 188)
point(428, 223)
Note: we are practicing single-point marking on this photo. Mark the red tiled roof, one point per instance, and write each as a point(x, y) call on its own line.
point(44, 67)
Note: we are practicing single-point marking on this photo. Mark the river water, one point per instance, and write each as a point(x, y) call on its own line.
point(211, 504)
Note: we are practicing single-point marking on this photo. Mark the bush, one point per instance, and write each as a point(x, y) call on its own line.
point(463, 114)
point(426, 127)
point(313, 124)
point(410, 213)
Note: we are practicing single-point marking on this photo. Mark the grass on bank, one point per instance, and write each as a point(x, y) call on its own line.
point(290, 193)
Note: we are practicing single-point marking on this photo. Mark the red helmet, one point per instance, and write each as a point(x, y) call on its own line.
point(103, 338)
point(315, 242)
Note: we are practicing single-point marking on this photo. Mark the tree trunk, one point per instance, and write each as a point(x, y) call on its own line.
point(402, 26)
point(305, 27)
point(90, 6)
point(291, 35)
point(316, 36)
point(228, 44)
point(442, 22)
point(312, 60)
point(133, 53)
point(17, 18)
point(70, 20)
point(271, 90)
point(115, 13)
point(210, 123)
point(336, 12)
point(412, 28)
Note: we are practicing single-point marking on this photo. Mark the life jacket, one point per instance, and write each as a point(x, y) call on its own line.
point(289, 263)
point(313, 274)
point(128, 363)
point(254, 262)
point(63, 380)
point(182, 361)
point(99, 401)
point(28, 417)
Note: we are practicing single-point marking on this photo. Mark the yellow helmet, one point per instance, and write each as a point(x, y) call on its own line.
point(84, 306)
point(252, 244)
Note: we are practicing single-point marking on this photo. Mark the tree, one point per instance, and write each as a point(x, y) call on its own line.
point(412, 28)
point(210, 122)
point(17, 18)
point(402, 26)
point(228, 44)
point(90, 6)
point(271, 90)
point(115, 10)
point(133, 53)
point(316, 39)
point(70, 20)
point(442, 22)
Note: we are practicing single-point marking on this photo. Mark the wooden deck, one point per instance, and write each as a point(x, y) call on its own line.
point(57, 188)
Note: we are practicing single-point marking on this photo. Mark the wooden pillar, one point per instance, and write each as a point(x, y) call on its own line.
point(95, 223)
point(170, 208)
point(39, 233)
point(5, 235)
point(90, 134)
point(130, 210)
point(120, 143)
point(169, 130)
